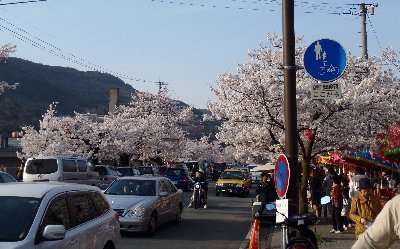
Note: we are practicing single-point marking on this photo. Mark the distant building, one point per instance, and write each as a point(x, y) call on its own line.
point(9, 147)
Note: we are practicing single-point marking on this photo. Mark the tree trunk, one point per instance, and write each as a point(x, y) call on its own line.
point(303, 202)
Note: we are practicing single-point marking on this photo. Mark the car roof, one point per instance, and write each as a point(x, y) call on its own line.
point(142, 178)
point(233, 170)
point(39, 189)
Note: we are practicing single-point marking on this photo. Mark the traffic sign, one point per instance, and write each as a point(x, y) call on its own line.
point(325, 60)
point(282, 176)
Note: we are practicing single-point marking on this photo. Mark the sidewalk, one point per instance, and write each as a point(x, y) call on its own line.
point(343, 241)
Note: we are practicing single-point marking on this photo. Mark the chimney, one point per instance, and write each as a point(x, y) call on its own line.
point(113, 99)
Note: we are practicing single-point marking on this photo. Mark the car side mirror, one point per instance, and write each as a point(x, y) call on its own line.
point(54, 232)
point(163, 194)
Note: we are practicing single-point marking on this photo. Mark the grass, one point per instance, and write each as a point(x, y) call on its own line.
point(320, 239)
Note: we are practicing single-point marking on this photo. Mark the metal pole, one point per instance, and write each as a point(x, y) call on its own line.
point(289, 67)
point(363, 14)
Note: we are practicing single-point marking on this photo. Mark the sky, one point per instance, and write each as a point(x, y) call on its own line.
point(186, 44)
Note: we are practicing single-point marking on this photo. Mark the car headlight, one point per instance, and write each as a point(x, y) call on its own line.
point(239, 185)
point(138, 212)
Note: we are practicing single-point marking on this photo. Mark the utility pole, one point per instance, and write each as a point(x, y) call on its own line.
point(364, 9)
point(289, 67)
point(160, 85)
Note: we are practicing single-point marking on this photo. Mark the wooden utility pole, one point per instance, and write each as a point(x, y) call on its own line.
point(289, 67)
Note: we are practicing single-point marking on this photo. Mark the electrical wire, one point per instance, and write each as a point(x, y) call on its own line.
point(23, 2)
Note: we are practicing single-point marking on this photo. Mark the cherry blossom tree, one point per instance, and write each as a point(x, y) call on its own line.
point(69, 136)
point(250, 102)
point(5, 52)
point(150, 127)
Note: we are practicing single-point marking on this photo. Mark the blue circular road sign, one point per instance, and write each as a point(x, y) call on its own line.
point(325, 60)
point(282, 176)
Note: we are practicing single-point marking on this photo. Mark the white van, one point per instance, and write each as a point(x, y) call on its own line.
point(62, 169)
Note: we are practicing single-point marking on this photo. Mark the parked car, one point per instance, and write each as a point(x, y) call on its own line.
point(147, 170)
point(258, 170)
point(56, 215)
point(216, 170)
point(144, 203)
point(61, 168)
point(233, 181)
point(128, 171)
point(179, 177)
point(5, 177)
point(107, 174)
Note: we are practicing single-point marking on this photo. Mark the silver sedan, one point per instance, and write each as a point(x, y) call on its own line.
point(144, 203)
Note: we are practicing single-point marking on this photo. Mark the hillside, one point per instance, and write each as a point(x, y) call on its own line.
point(40, 85)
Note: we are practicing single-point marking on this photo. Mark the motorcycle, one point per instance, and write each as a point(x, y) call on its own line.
point(301, 236)
point(199, 195)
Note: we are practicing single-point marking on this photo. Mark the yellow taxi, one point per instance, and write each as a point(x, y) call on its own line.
point(233, 181)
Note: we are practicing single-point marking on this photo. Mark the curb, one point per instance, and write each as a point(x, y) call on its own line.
point(246, 241)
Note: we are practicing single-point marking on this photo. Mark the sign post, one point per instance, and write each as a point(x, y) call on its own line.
point(325, 61)
point(282, 176)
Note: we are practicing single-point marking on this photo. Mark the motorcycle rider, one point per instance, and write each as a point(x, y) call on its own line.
point(265, 192)
point(201, 178)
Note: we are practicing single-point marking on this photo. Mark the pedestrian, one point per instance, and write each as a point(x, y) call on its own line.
point(354, 182)
point(365, 207)
point(326, 190)
point(265, 192)
point(337, 205)
point(20, 173)
point(346, 202)
point(315, 191)
point(385, 230)
point(2, 168)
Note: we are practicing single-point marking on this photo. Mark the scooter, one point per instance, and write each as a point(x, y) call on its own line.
point(301, 236)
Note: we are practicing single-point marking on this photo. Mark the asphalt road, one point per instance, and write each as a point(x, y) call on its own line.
point(224, 224)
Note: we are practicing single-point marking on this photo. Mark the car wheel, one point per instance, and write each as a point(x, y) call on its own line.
point(178, 217)
point(151, 230)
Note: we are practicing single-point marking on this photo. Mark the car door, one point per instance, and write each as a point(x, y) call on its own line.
point(164, 202)
point(83, 213)
point(173, 199)
point(57, 214)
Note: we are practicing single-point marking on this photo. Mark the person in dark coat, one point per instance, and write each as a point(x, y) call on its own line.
point(265, 192)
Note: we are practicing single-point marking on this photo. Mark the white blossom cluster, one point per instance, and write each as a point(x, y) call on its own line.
point(251, 105)
point(150, 127)
point(5, 52)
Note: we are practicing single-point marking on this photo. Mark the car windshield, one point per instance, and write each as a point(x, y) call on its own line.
point(232, 175)
point(145, 170)
point(175, 172)
point(126, 171)
point(41, 166)
point(132, 187)
point(16, 216)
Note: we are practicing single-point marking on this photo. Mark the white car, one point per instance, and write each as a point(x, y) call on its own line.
point(56, 215)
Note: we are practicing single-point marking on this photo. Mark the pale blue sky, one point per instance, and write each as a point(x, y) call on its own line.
point(186, 43)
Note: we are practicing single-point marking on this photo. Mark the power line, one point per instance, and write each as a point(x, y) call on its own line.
point(23, 2)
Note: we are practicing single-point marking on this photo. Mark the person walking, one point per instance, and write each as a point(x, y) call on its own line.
point(20, 173)
point(315, 190)
point(354, 182)
point(365, 207)
point(385, 231)
point(337, 205)
point(326, 190)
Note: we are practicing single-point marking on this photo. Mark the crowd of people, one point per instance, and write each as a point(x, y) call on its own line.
point(355, 202)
